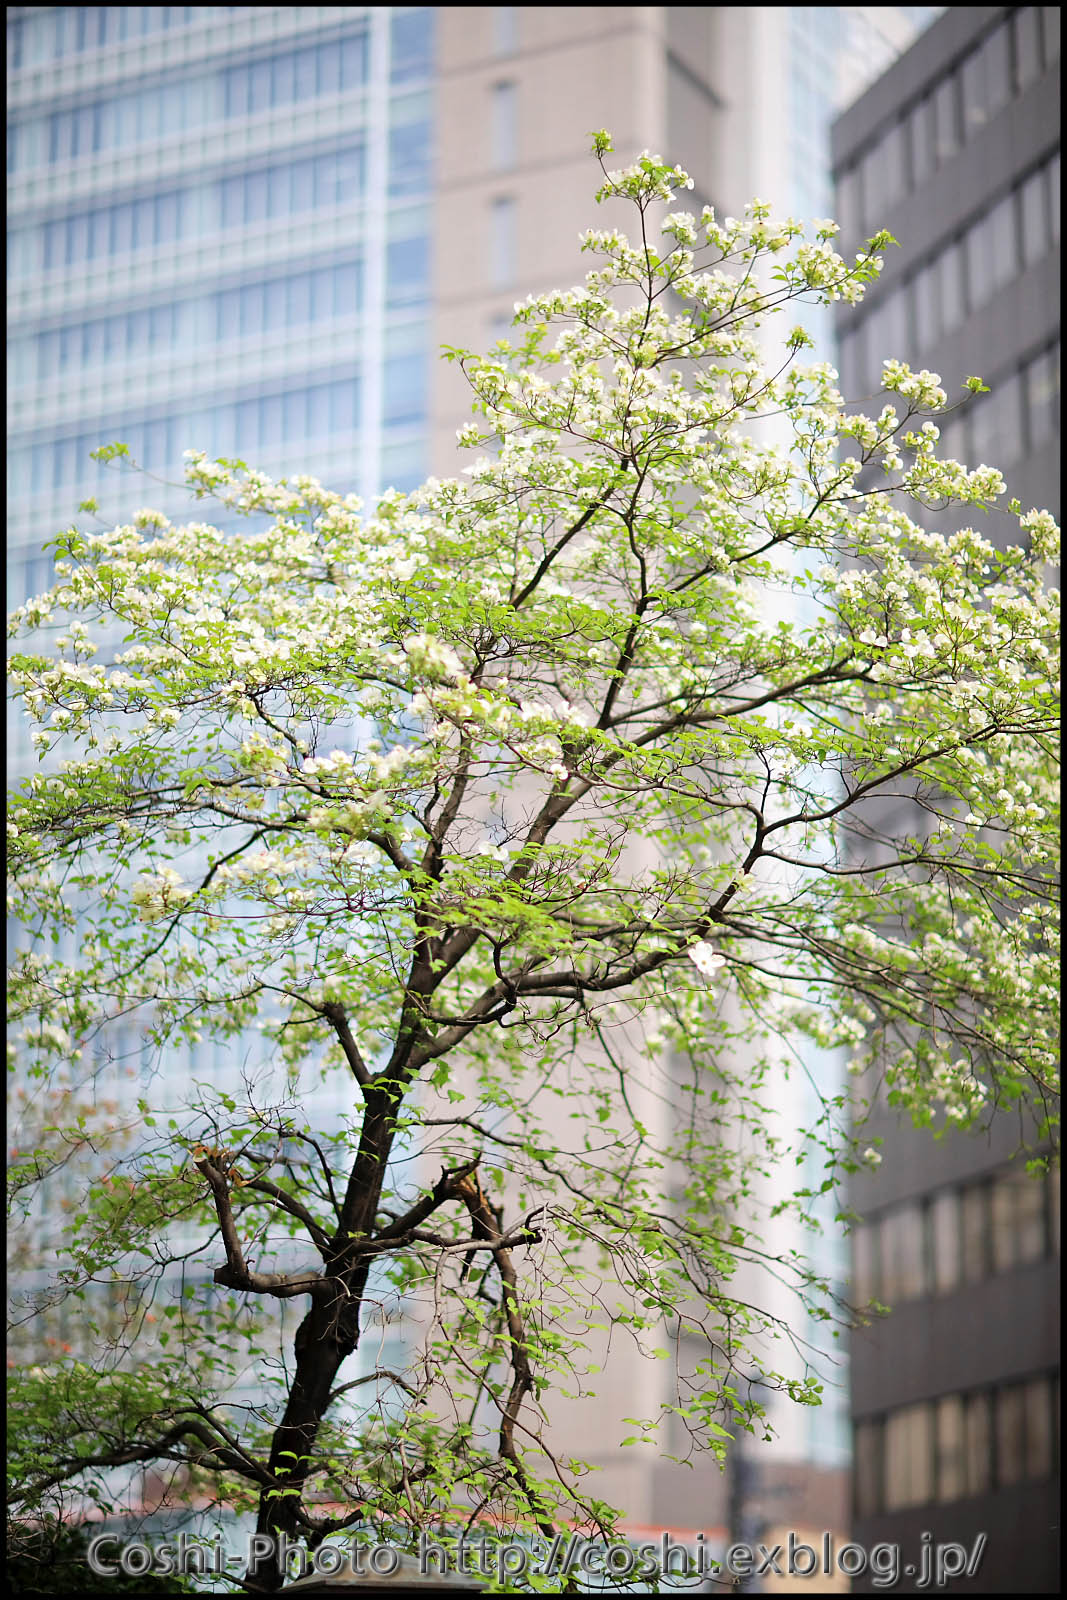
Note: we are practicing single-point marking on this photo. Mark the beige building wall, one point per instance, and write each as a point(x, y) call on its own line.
point(701, 85)
point(575, 68)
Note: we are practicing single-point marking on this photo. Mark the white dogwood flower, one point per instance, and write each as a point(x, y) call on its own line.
point(705, 958)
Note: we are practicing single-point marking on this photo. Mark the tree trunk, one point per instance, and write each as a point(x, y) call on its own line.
point(328, 1334)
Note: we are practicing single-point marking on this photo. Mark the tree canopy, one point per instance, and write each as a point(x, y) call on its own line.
point(496, 840)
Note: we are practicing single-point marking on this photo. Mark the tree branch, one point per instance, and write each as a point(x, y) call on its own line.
point(337, 1016)
point(236, 1274)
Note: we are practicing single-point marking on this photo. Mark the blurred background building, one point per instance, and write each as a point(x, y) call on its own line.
point(249, 229)
point(955, 1398)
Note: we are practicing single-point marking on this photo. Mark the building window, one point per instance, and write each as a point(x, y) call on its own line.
point(951, 295)
point(894, 169)
point(955, 1447)
point(996, 56)
point(987, 251)
point(1034, 230)
point(974, 1207)
point(1026, 40)
point(1010, 1441)
point(874, 180)
point(244, 424)
point(343, 402)
point(407, 270)
point(853, 355)
point(946, 119)
point(850, 213)
point(332, 67)
point(964, 275)
point(945, 1232)
point(887, 332)
point(1054, 197)
point(503, 244)
point(920, 125)
point(1054, 1172)
point(868, 1455)
point(339, 178)
point(1004, 242)
point(332, 178)
point(926, 293)
point(504, 126)
point(950, 1449)
point(404, 396)
point(320, 408)
point(908, 1458)
point(903, 1265)
point(409, 159)
point(1018, 1200)
point(978, 1431)
point(403, 465)
point(411, 35)
point(505, 30)
point(1007, 405)
point(50, 33)
point(1039, 1413)
point(978, 78)
point(866, 1277)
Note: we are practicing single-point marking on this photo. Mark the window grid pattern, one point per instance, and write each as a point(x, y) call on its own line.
point(251, 316)
point(173, 106)
point(290, 409)
point(304, 417)
point(960, 278)
point(1018, 417)
point(51, 33)
point(308, 410)
point(279, 189)
point(284, 300)
point(935, 1245)
point(957, 1446)
point(903, 155)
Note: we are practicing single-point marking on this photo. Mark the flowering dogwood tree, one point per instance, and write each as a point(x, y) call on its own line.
point(496, 836)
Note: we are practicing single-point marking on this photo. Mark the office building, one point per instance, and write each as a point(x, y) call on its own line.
point(955, 1397)
point(218, 239)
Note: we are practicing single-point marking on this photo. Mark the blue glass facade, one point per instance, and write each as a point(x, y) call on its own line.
point(218, 238)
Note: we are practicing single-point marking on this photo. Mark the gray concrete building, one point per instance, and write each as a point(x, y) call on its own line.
point(955, 1395)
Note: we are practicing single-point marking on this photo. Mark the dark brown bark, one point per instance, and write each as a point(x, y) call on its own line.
point(327, 1336)
point(331, 1329)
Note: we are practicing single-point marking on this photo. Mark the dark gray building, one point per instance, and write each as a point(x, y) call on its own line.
point(955, 1396)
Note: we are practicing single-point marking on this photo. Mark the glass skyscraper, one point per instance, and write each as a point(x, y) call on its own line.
point(218, 238)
